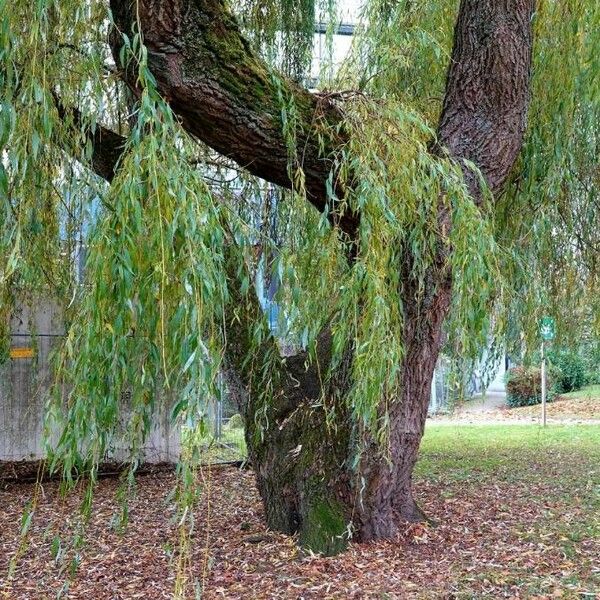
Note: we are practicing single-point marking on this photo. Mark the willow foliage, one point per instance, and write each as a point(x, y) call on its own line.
point(548, 218)
point(176, 231)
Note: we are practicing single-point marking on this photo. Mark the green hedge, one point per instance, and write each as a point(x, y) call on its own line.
point(235, 422)
point(524, 386)
point(572, 370)
point(591, 359)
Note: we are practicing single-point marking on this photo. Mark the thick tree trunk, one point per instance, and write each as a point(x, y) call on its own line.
point(298, 452)
point(391, 499)
point(304, 459)
point(229, 99)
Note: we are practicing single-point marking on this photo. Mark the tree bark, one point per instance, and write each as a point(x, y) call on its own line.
point(229, 99)
point(299, 455)
point(303, 459)
point(390, 500)
point(487, 89)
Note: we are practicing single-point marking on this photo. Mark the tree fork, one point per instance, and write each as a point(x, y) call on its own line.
point(228, 98)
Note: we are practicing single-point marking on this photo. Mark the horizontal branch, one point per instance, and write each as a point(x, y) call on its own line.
point(107, 145)
point(229, 98)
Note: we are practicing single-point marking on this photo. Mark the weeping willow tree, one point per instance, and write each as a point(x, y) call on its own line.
point(445, 183)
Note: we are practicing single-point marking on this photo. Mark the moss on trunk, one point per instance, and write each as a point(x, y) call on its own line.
point(326, 527)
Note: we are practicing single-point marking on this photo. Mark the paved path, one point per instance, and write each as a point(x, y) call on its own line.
point(481, 404)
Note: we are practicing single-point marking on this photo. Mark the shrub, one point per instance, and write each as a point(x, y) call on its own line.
point(592, 375)
point(235, 422)
point(524, 386)
point(572, 370)
point(591, 358)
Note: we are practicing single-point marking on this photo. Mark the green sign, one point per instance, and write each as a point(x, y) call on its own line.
point(547, 328)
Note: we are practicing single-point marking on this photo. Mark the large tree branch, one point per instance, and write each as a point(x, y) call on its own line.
point(106, 145)
point(230, 99)
point(487, 90)
point(227, 97)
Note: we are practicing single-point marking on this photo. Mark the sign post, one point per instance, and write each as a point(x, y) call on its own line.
point(548, 330)
point(543, 385)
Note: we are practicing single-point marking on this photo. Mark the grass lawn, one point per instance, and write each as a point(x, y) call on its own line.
point(505, 450)
point(230, 447)
point(544, 484)
point(516, 511)
point(589, 392)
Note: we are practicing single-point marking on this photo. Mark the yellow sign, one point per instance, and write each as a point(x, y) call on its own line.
point(21, 352)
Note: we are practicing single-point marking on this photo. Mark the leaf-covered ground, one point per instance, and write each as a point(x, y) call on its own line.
point(582, 406)
point(518, 511)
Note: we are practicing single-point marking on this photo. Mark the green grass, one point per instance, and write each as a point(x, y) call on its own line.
point(563, 460)
point(508, 451)
point(545, 481)
point(230, 447)
point(510, 436)
point(587, 392)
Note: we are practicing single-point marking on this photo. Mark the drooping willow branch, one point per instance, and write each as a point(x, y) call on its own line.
point(106, 145)
point(231, 100)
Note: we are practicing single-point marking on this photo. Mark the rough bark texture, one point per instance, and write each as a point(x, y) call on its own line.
point(229, 99)
point(299, 455)
point(388, 499)
point(487, 90)
point(483, 121)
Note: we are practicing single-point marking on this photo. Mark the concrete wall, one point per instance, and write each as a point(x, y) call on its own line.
point(24, 382)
